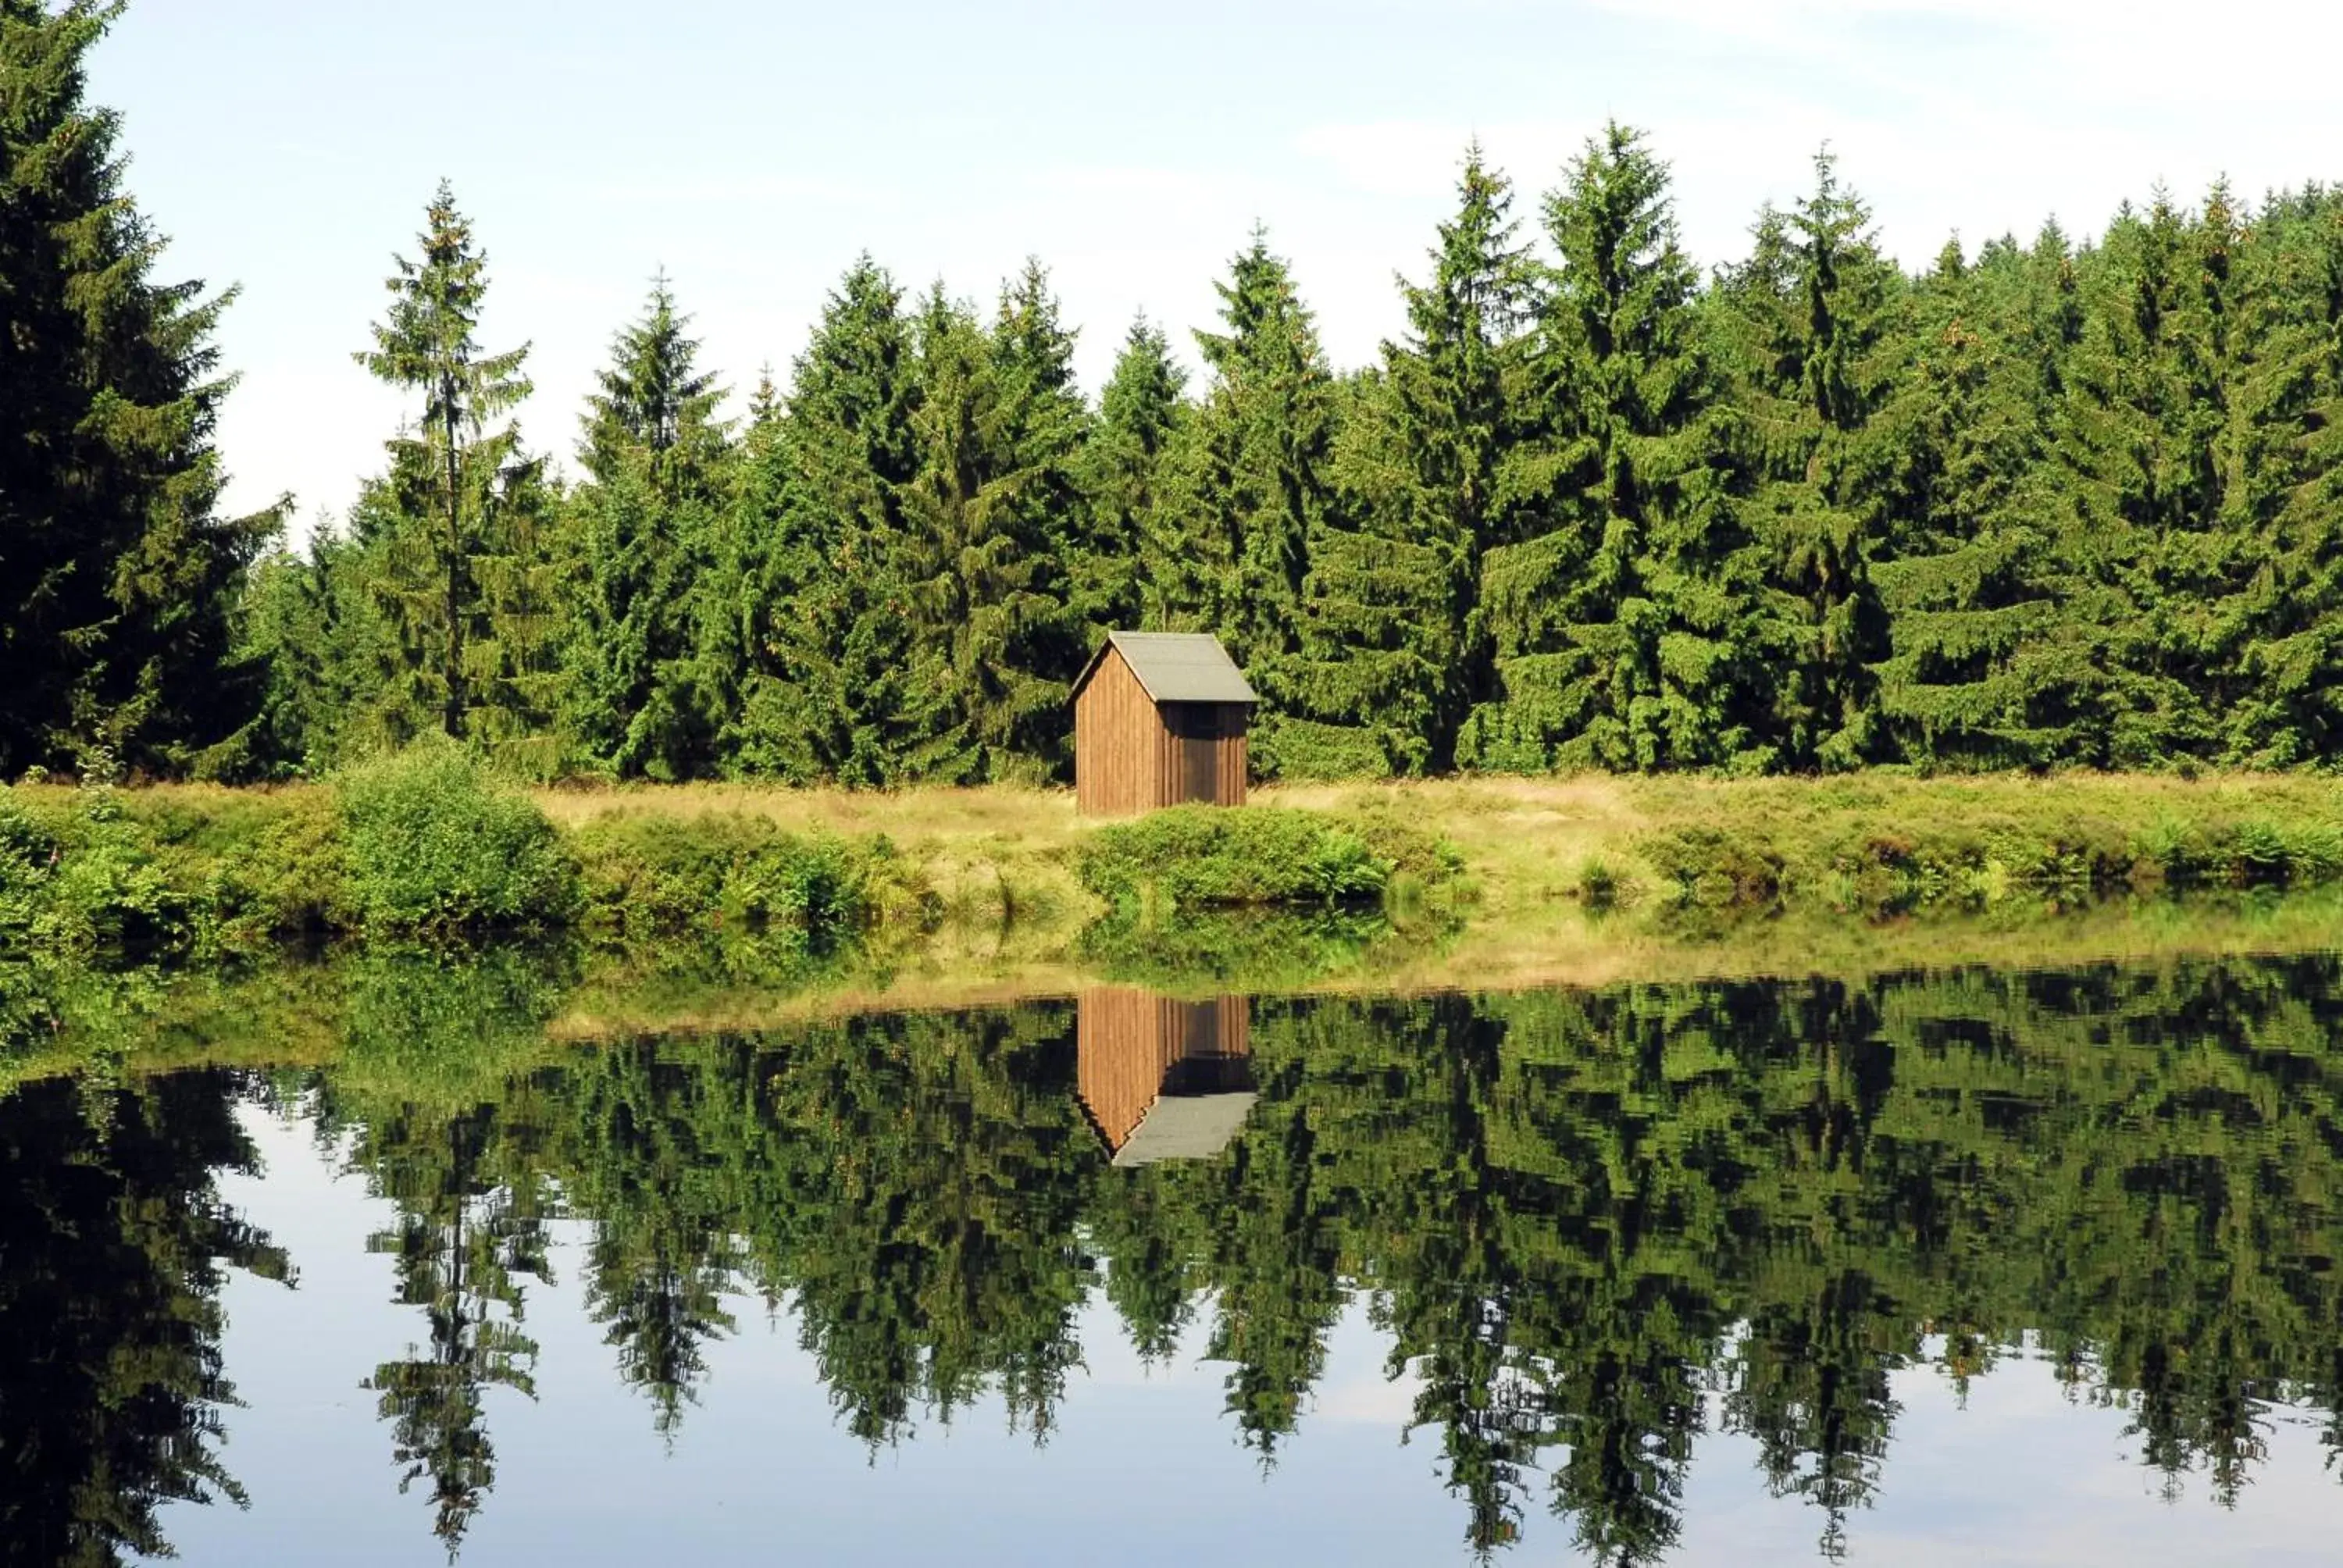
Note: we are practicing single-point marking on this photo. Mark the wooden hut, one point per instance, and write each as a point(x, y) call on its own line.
point(1160, 719)
point(1163, 1080)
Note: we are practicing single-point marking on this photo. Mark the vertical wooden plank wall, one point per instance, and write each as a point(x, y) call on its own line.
point(1126, 1040)
point(1127, 749)
point(1236, 1019)
point(1122, 750)
point(1124, 1046)
point(1234, 717)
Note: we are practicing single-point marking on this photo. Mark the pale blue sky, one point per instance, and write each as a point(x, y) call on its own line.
point(753, 149)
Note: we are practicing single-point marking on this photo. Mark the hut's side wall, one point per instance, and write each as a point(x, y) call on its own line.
point(1236, 1017)
point(1234, 717)
point(1124, 759)
point(1124, 1044)
point(1126, 1040)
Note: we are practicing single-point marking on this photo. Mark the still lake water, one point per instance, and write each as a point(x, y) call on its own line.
point(1978, 1267)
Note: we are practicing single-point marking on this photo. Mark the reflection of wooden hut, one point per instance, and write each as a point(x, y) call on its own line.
point(1165, 1080)
point(1160, 719)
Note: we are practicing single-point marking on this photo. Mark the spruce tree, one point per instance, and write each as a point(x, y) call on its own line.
point(810, 601)
point(991, 646)
point(1126, 483)
point(1993, 662)
point(639, 532)
point(117, 574)
point(452, 525)
point(1045, 428)
point(2141, 442)
point(1254, 484)
point(307, 618)
point(1267, 428)
point(1813, 323)
point(2287, 646)
point(1619, 625)
point(1394, 652)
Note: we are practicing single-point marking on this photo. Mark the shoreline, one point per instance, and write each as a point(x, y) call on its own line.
point(1003, 915)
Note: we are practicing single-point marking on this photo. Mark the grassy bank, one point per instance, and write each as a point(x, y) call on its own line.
point(426, 847)
point(1484, 877)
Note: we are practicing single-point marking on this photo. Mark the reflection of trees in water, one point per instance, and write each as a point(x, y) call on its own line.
point(1573, 1212)
point(113, 1240)
point(434, 1103)
point(1591, 1223)
point(467, 1235)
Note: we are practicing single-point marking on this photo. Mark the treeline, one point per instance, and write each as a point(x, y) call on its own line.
point(2048, 502)
point(1599, 1228)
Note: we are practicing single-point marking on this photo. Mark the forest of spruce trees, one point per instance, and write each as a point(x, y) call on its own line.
point(2058, 501)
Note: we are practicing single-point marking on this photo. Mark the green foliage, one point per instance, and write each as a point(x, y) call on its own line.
point(1128, 484)
point(1849, 849)
point(117, 598)
point(646, 875)
point(1617, 594)
point(636, 541)
point(1203, 856)
point(1393, 641)
point(2071, 503)
point(816, 655)
point(1600, 884)
point(105, 886)
point(434, 845)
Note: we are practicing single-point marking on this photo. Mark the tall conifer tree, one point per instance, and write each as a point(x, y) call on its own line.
point(2286, 652)
point(1126, 482)
point(1619, 630)
point(2140, 443)
point(117, 574)
point(1267, 427)
point(1816, 331)
point(1394, 648)
point(456, 519)
point(656, 460)
point(1993, 662)
point(992, 646)
point(812, 603)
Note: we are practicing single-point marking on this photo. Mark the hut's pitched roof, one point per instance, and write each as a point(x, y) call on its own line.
point(1176, 666)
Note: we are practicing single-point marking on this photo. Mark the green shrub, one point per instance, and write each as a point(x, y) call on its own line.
point(648, 875)
point(29, 851)
point(294, 879)
point(1712, 866)
point(80, 875)
point(1205, 856)
point(433, 845)
point(1599, 886)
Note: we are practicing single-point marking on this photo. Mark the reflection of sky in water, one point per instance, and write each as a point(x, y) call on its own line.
point(1143, 1468)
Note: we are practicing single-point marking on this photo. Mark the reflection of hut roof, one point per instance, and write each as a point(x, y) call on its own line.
point(1176, 666)
point(1164, 1079)
point(1185, 1127)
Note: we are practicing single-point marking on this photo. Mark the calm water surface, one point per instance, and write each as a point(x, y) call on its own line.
point(1970, 1268)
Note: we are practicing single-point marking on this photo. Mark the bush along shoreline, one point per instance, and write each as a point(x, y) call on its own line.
point(1877, 860)
point(425, 846)
point(429, 847)
point(1191, 858)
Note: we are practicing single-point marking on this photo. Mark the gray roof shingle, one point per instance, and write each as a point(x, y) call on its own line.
point(1178, 667)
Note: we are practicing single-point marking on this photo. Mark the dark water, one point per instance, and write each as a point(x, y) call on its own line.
point(1971, 1268)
